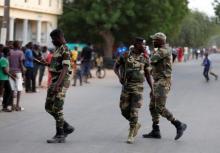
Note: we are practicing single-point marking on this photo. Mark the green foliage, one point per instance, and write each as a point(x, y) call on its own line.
point(85, 19)
point(216, 5)
point(196, 30)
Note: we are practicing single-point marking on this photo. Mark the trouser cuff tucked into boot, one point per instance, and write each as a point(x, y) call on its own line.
point(68, 129)
point(155, 133)
point(58, 138)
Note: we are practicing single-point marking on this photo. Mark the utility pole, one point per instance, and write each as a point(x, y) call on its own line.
point(5, 22)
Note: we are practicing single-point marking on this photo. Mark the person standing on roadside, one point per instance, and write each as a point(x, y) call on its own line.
point(86, 57)
point(16, 68)
point(42, 66)
point(30, 85)
point(4, 81)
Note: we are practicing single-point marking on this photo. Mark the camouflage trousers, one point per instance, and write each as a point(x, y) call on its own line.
point(54, 104)
point(158, 102)
point(130, 103)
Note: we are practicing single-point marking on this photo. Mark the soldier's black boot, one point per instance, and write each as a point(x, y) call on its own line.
point(68, 129)
point(58, 138)
point(180, 128)
point(155, 133)
point(56, 133)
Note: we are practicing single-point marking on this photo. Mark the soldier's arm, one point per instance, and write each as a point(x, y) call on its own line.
point(116, 68)
point(149, 79)
point(147, 73)
point(66, 64)
point(117, 65)
point(148, 76)
point(61, 77)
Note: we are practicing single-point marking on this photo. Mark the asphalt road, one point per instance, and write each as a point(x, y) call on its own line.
point(93, 109)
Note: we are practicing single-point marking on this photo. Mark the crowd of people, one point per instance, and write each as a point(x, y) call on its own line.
point(82, 63)
point(179, 54)
point(19, 67)
point(24, 67)
point(185, 53)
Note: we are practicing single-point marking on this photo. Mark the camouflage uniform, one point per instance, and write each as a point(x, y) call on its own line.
point(161, 72)
point(134, 67)
point(54, 102)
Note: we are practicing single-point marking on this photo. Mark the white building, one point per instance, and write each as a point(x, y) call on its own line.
point(32, 20)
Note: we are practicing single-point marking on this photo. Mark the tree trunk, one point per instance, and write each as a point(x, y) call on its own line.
point(108, 43)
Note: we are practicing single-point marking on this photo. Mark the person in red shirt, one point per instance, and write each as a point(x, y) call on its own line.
point(48, 61)
point(180, 54)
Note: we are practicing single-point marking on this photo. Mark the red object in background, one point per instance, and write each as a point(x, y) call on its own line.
point(146, 54)
point(180, 54)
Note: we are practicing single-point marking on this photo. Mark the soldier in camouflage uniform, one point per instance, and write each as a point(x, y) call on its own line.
point(60, 70)
point(161, 72)
point(134, 67)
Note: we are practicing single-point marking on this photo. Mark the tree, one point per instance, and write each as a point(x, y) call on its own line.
point(216, 5)
point(111, 21)
point(196, 30)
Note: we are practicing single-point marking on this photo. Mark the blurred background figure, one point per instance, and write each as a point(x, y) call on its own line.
point(5, 87)
point(77, 73)
point(30, 84)
point(86, 56)
point(180, 54)
point(121, 50)
point(48, 61)
point(206, 63)
point(174, 53)
point(16, 59)
point(37, 57)
point(42, 66)
point(186, 53)
point(74, 54)
point(99, 64)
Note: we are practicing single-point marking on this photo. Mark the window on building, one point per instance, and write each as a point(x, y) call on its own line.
point(50, 2)
point(25, 1)
point(39, 2)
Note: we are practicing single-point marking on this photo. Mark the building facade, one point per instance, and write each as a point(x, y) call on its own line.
point(32, 20)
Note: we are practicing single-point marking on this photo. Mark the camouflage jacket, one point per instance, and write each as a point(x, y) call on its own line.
point(133, 67)
point(60, 57)
point(161, 64)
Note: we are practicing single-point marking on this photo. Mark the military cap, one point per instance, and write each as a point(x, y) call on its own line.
point(159, 35)
point(139, 40)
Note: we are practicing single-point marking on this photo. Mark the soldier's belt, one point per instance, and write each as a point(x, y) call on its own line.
point(165, 78)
